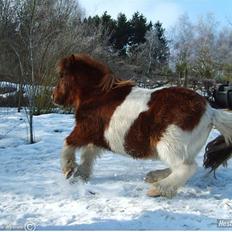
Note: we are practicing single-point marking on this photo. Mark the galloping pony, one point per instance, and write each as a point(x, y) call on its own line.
point(169, 124)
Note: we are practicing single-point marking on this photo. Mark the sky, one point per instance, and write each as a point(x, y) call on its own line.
point(166, 11)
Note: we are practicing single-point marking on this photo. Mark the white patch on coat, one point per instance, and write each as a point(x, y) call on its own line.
point(222, 120)
point(178, 149)
point(177, 145)
point(124, 116)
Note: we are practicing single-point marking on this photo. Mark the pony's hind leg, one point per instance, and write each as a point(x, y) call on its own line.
point(169, 185)
point(178, 149)
point(157, 175)
point(174, 149)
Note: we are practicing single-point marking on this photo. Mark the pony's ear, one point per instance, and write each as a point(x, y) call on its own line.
point(72, 58)
point(67, 64)
point(70, 61)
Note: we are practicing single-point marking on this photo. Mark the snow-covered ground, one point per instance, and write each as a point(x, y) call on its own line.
point(33, 191)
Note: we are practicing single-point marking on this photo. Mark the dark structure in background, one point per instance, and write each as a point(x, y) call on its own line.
point(223, 96)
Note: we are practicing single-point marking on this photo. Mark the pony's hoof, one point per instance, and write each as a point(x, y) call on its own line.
point(153, 192)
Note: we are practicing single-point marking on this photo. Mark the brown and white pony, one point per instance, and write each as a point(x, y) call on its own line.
point(169, 124)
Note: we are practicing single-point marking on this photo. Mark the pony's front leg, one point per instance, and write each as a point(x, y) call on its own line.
point(78, 140)
point(68, 163)
point(68, 160)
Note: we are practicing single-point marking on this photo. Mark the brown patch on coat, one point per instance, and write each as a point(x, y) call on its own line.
point(178, 106)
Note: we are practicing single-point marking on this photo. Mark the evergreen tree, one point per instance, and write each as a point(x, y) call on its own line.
point(108, 23)
point(93, 21)
point(121, 35)
point(162, 53)
point(139, 27)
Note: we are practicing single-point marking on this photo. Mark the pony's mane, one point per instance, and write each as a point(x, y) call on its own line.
point(108, 79)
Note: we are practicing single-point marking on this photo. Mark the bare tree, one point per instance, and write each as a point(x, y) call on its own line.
point(223, 54)
point(182, 48)
point(36, 43)
point(194, 48)
point(144, 54)
point(43, 33)
point(205, 64)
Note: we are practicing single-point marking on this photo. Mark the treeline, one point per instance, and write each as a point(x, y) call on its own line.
point(35, 34)
point(127, 34)
point(137, 41)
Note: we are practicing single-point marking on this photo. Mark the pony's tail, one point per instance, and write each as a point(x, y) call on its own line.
point(219, 150)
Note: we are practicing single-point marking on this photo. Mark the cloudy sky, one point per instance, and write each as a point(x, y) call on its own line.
point(167, 11)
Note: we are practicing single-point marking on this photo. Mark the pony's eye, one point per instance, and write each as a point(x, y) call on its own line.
point(62, 75)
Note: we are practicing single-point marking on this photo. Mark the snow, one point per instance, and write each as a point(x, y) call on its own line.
point(34, 193)
point(26, 88)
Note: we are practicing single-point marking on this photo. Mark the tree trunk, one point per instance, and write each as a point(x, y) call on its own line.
point(20, 96)
point(32, 90)
point(186, 78)
point(31, 126)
